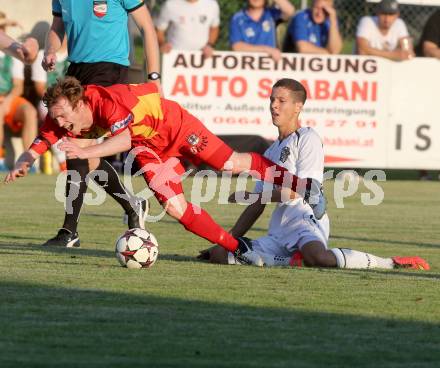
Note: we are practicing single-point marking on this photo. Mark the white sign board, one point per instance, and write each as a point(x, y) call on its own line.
point(414, 120)
point(352, 101)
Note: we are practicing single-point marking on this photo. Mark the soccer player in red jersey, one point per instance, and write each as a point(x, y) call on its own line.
point(161, 132)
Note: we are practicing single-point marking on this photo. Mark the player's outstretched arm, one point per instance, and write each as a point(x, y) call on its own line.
point(250, 215)
point(22, 165)
point(280, 195)
point(111, 146)
point(247, 219)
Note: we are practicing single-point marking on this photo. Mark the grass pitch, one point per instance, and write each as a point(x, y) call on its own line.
point(78, 307)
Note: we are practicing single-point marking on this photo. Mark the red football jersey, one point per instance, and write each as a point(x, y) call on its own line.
point(137, 107)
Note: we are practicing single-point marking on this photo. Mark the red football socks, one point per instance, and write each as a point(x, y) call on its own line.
point(199, 222)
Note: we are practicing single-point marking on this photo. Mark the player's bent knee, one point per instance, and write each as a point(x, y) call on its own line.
point(26, 113)
point(310, 260)
point(31, 111)
point(323, 260)
point(316, 255)
point(175, 208)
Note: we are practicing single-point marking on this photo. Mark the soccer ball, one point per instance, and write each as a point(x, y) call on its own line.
point(137, 248)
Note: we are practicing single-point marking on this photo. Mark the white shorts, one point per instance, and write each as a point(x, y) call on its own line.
point(295, 235)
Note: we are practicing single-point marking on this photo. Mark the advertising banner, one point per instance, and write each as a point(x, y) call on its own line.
point(354, 102)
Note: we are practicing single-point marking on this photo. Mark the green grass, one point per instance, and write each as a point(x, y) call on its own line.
point(76, 308)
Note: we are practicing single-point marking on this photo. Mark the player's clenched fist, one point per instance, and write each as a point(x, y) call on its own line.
point(49, 62)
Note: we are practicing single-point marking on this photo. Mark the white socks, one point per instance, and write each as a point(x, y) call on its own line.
point(349, 258)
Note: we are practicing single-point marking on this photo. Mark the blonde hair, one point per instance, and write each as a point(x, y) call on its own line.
point(298, 91)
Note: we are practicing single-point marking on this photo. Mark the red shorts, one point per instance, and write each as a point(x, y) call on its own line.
point(191, 140)
point(14, 125)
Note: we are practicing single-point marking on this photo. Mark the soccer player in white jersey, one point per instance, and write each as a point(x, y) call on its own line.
point(295, 235)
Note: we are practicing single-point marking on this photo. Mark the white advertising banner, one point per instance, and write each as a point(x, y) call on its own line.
point(351, 100)
point(414, 120)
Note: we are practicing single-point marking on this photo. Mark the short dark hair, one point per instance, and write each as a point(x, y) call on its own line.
point(69, 88)
point(298, 91)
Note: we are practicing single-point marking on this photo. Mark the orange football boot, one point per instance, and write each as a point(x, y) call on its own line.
point(416, 263)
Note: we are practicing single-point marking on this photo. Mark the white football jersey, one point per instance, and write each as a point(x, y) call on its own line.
point(302, 154)
point(368, 28)
point(188, 23)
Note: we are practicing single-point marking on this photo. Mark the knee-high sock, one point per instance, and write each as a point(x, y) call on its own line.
point(349, 258)
point(273, 173)
point(113, 186)
point(199, 222)
point(76, 187)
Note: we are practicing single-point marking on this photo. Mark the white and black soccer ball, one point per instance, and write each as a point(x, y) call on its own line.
point(137, 248)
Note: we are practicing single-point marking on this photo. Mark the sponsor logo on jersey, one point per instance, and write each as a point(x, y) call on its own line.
point(284, 155)
point(249, 32)
point(197, 143)
point(100, 8)
point(121, 124)
point(266, 26)
point(193, 139)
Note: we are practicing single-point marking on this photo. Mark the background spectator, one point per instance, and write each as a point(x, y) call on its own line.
point(16, 113)
point(385, 34)
point(254, 28)
point(25, 52)
point(429, 44)
point(41, 80)
point(314, 30)
point(188, 25)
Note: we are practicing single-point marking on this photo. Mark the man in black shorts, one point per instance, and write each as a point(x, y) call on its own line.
point(98, 47)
